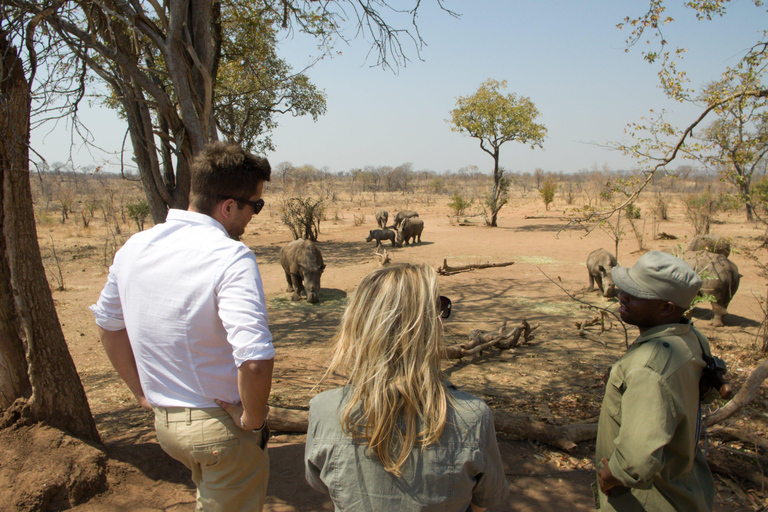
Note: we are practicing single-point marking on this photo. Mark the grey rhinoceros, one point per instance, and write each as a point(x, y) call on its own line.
point(303, 265)
point(380, 235)
point(410, 229)
point(599, 265)
point(711, 243)
point(405, 214)
point(381, 216)
point(721, 279)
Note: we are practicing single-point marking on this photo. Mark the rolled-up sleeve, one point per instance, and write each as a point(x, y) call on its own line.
point(242, 309)
point(314, 459)
point(108, 310)
point(491, 488)
point(648, 423)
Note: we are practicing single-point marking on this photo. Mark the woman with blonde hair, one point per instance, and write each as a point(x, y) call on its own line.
point(398, 436)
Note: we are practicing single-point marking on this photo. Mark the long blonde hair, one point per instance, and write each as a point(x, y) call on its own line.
point(389, 345)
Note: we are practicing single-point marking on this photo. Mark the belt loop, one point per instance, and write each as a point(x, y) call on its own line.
point(189, 415)
point(162, 414)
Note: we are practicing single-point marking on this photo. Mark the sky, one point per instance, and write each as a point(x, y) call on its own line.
point(567, 56)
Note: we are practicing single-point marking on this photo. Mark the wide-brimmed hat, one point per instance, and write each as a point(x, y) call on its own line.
point(659, 275)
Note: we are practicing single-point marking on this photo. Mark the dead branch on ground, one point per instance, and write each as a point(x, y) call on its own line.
point(591, 306)
point(745, 395)
point(482, 340)
point(384, 258)
point(447, 270)
point(665, 236)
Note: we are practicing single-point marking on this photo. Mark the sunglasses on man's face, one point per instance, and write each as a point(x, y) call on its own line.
point(445, 306)
point(256, 205)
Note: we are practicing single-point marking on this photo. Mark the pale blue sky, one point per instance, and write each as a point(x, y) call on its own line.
point(567, 56)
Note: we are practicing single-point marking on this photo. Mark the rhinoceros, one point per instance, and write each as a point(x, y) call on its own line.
point(303, 265)
point(381, 216)
point(599, 265)
point(711, 243)
point(721, 279)
point(381, 234)
point(405, 214)
point(410, 229)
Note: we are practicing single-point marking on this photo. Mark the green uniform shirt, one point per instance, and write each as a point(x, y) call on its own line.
point(648, 425)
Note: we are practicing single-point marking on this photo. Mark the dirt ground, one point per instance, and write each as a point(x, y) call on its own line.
point(555, 378)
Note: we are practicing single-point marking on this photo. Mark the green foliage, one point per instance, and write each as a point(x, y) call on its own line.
point(437, 185)
point(458, 204)
point(139, 212)
point(547, 191)
point(495, 118)
point(632, 211)
point(254, 85)
point(303, 216)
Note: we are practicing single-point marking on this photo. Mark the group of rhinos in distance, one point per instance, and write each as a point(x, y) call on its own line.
point(407, 227)
point(303, 264)
point(707, 255)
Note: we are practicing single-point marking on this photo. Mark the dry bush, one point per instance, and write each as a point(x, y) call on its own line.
point(303, 216)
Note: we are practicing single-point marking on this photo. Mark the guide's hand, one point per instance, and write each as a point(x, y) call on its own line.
point(606, 479)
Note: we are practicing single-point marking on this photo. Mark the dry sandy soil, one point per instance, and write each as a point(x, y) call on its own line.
point(556, 377)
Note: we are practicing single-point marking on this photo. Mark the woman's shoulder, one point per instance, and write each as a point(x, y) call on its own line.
point(466, 404)
point(329, 400)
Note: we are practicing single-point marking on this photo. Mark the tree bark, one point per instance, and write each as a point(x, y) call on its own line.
point(57, 396)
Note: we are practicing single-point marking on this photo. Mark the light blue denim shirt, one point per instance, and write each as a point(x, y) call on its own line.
point(464, 467)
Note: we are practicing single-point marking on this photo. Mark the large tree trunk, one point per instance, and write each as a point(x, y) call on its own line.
point(57, 395)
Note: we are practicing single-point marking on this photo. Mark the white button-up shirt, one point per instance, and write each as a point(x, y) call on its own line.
point(192, 302)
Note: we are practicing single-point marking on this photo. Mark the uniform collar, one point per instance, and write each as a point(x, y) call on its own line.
point(659, 331)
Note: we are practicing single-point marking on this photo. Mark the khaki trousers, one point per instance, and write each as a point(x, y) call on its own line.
point(230, 466)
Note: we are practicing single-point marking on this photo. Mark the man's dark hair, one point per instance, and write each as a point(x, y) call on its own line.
point(223, 170)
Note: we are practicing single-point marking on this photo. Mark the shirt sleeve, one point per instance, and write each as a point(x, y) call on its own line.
point(313, 461)
point(242, 309)
point(491, 488)
point(648, 423)
point(108, 310)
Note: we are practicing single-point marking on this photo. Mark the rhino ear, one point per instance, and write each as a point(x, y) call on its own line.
point(322, 267)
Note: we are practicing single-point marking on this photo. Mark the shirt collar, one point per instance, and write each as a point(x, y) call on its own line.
point(194, 218)
point(678, 329)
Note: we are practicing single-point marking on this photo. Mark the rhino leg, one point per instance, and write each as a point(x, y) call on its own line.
point(290, 283)
point(591, 282)
point(599, 281)
point(720, 313)
point(298, 287)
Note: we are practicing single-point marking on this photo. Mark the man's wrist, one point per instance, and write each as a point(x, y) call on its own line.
point(242, 423)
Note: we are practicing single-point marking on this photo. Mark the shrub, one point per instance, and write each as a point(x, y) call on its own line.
point(303, 216)
point(139, 212)
point(547, 191)
point(458, 204)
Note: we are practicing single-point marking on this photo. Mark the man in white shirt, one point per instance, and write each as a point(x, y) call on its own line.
point(184, 322)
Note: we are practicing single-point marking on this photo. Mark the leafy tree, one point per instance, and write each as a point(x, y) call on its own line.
point(495, 118)
point(161, 60)
point(253, 84)
point(739, 138)
point(547, 191)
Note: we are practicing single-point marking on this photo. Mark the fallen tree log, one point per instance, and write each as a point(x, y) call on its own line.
point(482, 340)
point(288, 420)
point(447, 270)
point(564, 437)
point(740, 435)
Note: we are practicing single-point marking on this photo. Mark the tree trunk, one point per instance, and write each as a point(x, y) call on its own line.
point(496, 189)
point(57, 396)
